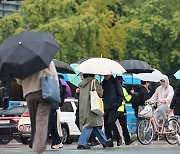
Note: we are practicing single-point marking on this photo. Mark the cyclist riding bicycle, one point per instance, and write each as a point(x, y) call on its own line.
point(163, 96)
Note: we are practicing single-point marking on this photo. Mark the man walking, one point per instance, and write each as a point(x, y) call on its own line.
point(112, 98)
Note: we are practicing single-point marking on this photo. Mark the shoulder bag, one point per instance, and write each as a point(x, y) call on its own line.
point(96, 102)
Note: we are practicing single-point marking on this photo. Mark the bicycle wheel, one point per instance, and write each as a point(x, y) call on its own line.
point(173, 129)
point(145, 131)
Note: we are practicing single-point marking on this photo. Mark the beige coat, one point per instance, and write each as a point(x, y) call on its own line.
point(33, 82)
point(88, 119)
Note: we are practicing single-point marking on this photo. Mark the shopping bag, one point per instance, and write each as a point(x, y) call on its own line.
point(96, 102)
point(51, 91)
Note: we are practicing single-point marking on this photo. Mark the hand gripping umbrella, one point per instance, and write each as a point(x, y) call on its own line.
point(26, 53)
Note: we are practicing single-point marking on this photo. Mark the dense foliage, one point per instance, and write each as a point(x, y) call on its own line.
point(119, 29)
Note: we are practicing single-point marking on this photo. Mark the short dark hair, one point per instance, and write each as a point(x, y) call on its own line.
point(88, 75)
point(144, 82)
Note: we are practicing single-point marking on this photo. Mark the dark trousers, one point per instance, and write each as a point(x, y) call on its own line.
point(39, 115)
point(110, 125)
point(123, 122)
point(52, 127)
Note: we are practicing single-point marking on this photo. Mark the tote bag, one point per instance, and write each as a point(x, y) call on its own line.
point(96, 102)
point(51, 91)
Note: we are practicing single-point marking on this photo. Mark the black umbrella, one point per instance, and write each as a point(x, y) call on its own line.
point(136, 66)
point(82, 60)
point(26, 53)
point(63, 67)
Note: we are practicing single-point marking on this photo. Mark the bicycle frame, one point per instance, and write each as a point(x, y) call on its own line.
point(158, 128)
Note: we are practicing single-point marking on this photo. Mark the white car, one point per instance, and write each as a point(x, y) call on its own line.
point(67, 119)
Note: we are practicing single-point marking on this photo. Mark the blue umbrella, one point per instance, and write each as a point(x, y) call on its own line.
point(177, 74)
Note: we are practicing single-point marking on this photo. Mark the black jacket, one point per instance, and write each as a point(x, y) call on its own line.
point(139, 97)
point(175, 104)
point(112, 94)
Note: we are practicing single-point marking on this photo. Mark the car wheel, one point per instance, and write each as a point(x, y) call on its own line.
point(65, 134)
point(5, 140)
point(25, 140)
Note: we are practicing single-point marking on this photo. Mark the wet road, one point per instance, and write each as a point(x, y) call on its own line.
point(158, 147)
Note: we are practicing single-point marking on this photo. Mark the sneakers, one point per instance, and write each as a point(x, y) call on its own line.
point(178, 139)
point(83, 146)
point(57, 146)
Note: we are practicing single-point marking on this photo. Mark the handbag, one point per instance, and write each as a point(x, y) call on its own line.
point(51, 91)
point(96, 102)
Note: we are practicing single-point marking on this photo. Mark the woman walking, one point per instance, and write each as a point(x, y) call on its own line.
point(89, 121)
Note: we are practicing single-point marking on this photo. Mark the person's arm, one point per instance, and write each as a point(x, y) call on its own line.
point(145, 96)
point(120, 94)
point(170, 95)
point(154, 97)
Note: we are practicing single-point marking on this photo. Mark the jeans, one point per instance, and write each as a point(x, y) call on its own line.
point(86, 133)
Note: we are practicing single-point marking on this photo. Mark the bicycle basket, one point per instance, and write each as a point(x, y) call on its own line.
point(147, 112)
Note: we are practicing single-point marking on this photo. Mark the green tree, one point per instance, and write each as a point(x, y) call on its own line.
point(83, 28)
point(157, 38)
point(10, 25)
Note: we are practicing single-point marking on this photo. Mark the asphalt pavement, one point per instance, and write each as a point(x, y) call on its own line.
point(156, 147)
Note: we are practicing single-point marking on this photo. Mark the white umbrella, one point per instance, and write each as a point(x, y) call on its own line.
point(155, 76)
point(101, 66)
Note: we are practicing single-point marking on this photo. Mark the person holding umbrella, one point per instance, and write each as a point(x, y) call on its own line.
point(39, 108)
point(112, 98)
point(89, 121)
point(27, 57)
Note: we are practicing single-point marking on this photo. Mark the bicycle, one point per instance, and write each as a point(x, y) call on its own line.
point(148, 126)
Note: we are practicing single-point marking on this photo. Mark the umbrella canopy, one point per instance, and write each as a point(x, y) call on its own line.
point(155, 76)
point(100, 66)
point(82, 60)
point(26, 53)
point(63, 67)
point(177, 74)
point(136, 66)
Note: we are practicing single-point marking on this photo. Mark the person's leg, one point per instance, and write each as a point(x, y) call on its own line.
point(42, 117)
point(32, 107)
point(84, 137)
point(54, 133)
point(125, 131)
point(113, 127)
point(100, 135)
point(107, 129)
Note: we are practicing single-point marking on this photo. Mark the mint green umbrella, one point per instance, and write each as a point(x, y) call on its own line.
point(75, 79)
